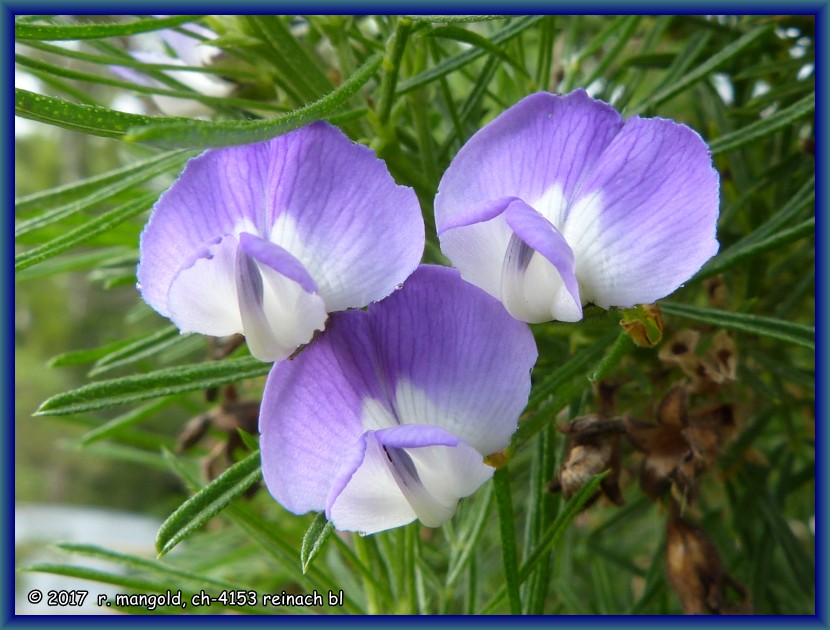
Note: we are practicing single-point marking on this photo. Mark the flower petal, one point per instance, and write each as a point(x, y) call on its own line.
point(405, 472)
point(644, 219)
point(202, 295)
point(250, 286)
point(311, 416)
point(475, 240)
point(278, 309)
point(454, 358)
point(439, 352)
point(538, 151)
point(327, 201)
point(342, 215)
point(538, 281)
point(219, 193)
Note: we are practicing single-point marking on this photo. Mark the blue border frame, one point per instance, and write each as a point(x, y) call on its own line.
point(820, 9)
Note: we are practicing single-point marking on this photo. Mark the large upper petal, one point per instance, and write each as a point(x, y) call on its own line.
point(338, 210)
point(326, 200)
point(644, 218)
point(439, 352)
point(538, 150)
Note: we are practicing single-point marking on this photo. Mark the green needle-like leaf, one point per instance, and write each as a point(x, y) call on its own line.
point(764, 127)
point(82, 233)
point(204, 133)
point(91, 119)
point(710, 65)
point(129, 389)
point(501, 483)
point(55, 32)
point(315, 539)
point(770, 327)
point(208, 502)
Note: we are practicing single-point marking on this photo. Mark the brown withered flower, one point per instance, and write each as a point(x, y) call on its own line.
point(681, 444)
point(593, 447)
point(707, 372)
point(696, 572)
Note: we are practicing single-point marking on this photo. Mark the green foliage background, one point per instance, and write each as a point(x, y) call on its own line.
point(121, 383)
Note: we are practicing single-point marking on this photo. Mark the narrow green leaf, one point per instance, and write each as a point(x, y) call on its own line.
point(208, 502)
point(129, 454)
point(128, 561)
point(554, 533)
point(471, 37)
point(54, 32)
point(165, 382)
point(293, 62)
point(82, 233)
point(315, 539)
point(203, 133)
point(739, 253)
point(624, 35)
point(85, 188)
point(455, 19)
point(130, 62)
point(551, 537)
point(470, 540)
point(558, 388)
point(710, 65)
point(117, 579)
point(458, 61)
point(569, 369)
point(119, 423)
point(501, 485)
point(616, 352)
point(391, 66)
point(771, 327)
point(90, 119)
point(147, 346)
point(764, 127)
point(184, 93)
point(85, 355)
point(106, 188)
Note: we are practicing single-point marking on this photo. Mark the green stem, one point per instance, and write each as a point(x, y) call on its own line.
point(391, 66)
point(621, 346)
point(372, 604)
point(501, 483)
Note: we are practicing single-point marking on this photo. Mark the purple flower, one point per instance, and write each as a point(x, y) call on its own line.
point(559, 202)
point(386, 417)
point(268, 238)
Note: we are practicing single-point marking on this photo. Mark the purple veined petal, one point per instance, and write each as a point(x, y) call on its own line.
point(403, 473)
point(538, 281)
point(439, 353)
point(312, 412)
point(636, 203)
point(644, 219)
point(453, 358)
point(338, 210)
point(328, 202)
point(537, 150)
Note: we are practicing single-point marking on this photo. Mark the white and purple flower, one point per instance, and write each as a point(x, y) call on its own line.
point(267, 239)
point(559, 202)
point(387, 416)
